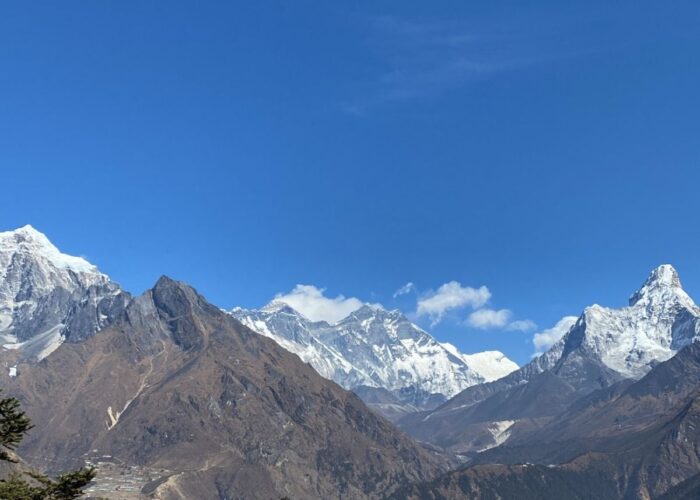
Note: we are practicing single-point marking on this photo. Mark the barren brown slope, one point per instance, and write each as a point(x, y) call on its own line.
point(178, 384)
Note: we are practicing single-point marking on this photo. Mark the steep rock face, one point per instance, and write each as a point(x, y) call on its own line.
point(175, 384)
point(373, 351)
point(47, 297)
point(604, 347)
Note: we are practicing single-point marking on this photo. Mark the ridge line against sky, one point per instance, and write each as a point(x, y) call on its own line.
point(546, 152)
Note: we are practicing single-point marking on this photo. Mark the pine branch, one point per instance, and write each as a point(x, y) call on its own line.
point(14, 424)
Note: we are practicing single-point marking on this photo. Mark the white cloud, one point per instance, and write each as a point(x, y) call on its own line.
point(407, 288)
point(522, 325)
point(312, 303)
point(450, 296)
point(489, 318)
point(547, 338)
point(485, 319)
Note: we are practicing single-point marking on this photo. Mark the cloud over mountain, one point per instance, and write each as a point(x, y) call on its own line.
point(451, 296)
point(312, 303)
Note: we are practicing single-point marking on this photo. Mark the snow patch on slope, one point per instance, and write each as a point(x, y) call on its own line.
point(39, 346)
point(500, 432)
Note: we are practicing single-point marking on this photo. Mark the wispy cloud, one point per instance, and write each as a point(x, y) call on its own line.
point(487, 319)
point(522, 325)
point(484, 319)
point(426, 59)
point(406, 289)
point(547, 338)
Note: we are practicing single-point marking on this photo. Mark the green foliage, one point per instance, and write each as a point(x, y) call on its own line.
point(14, 424)
point(67, 486)
point(16, 488)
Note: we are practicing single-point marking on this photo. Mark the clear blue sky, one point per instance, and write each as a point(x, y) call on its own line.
point(547, 151)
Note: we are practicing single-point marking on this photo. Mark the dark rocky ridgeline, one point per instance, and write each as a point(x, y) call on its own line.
point(178, 385)
point(632, 440)
point(687, 490)
point(512, 482)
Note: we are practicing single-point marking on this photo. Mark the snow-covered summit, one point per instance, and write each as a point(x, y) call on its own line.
point(47, 296)
point(663, 286)
point(28, 240)
point(660, 320)
point(491, 365)
point(279, 307)
point(374, 347)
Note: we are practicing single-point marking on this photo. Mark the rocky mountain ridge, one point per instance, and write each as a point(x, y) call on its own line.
point(634, 439)
point(220, 408)
point(603, 347)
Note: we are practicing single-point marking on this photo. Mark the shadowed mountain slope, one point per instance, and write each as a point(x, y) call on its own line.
point(635, 440)
point(177, 384)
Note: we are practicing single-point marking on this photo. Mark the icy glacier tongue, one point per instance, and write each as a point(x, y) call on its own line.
point(660, 320)
point(48, 297)
point(376, 348)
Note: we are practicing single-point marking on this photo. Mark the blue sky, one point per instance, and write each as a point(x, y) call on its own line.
point(548, 152)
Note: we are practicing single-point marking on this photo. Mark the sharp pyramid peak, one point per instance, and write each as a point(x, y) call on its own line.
point(666, 275)
point(662, 280)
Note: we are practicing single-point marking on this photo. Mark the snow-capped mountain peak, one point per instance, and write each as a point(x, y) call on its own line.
point(47, 296)
point(491, 365)
point(279, 307)
point(28, 240)
point(662, 287)
point(375, 347)
point(660, 320)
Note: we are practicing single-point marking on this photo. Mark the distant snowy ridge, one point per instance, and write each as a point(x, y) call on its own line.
point(48, 297)
point(491, 365)
point(373, 347)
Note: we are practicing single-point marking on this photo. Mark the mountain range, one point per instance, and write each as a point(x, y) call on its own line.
point(393, 364)
point(173, 385)
point(632, 440)
point(603, 347)
point(173, 398)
